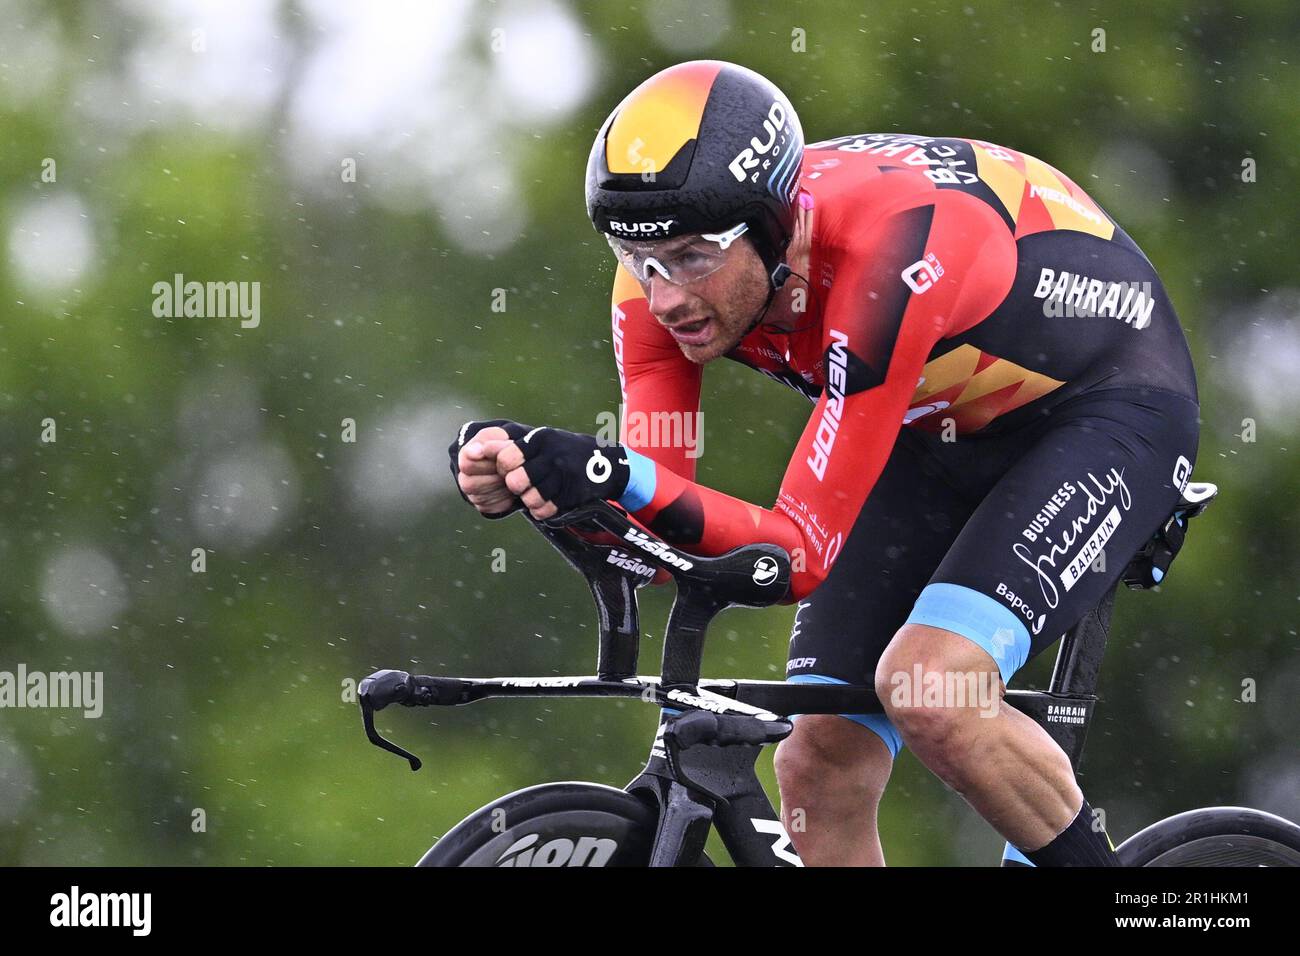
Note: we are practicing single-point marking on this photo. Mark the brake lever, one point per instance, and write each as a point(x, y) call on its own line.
point(375, 693)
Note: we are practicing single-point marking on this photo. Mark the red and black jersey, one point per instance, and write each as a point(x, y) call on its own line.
point(954, 286)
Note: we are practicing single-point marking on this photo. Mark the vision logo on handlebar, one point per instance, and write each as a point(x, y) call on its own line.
point(706, 700)
point(700, 772)
point(629, 563)
point(662, 552)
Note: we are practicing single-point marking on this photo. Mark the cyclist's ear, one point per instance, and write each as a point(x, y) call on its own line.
point(799, 252)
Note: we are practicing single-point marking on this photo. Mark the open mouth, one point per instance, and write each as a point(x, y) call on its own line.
point(692, 333)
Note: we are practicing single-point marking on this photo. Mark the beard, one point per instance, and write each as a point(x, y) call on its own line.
point(729, 327)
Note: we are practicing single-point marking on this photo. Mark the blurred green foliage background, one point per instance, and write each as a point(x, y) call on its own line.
point(142, 140)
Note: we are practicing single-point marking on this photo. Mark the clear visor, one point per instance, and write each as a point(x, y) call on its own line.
point(680, 260)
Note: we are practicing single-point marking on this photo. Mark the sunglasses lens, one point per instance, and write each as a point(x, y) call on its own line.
point(680, 260)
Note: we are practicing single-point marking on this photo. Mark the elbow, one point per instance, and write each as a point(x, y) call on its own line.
point(810, 561)
point(804, 581)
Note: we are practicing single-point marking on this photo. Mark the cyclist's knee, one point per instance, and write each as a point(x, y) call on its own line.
point(932, 681)
point(831, 757)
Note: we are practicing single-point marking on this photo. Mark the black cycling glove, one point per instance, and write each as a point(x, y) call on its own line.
point(569, 469)
point(467, 431)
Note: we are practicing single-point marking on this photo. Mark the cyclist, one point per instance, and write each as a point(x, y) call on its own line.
point(1004, 410)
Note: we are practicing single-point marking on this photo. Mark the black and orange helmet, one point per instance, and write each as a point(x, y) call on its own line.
point(698, 147)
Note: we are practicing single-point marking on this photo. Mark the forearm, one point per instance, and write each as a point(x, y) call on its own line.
point(701, 519)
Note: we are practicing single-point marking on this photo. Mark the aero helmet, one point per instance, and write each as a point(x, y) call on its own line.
point(699, 147)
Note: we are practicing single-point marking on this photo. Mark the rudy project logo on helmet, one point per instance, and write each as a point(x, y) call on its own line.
point(745, 160)
point(652, 229)
point(726, 146)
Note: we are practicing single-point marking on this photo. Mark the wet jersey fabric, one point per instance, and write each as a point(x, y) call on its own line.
point(1004, 407)
point(954, 284)
point(1007, 539)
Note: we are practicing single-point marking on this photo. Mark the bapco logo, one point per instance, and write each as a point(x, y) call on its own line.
point(765, 570)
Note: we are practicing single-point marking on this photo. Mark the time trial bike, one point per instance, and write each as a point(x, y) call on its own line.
point(700, 772)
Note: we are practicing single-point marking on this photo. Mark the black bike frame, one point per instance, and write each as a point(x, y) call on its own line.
point(701, 766)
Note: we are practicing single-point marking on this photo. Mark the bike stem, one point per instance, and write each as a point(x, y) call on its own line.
point(751, 576)
point(688, 623)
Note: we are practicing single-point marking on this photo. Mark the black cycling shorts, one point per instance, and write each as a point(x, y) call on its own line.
point(1006, 539)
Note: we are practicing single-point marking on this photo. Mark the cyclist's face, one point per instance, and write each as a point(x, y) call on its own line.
point(708, 317)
